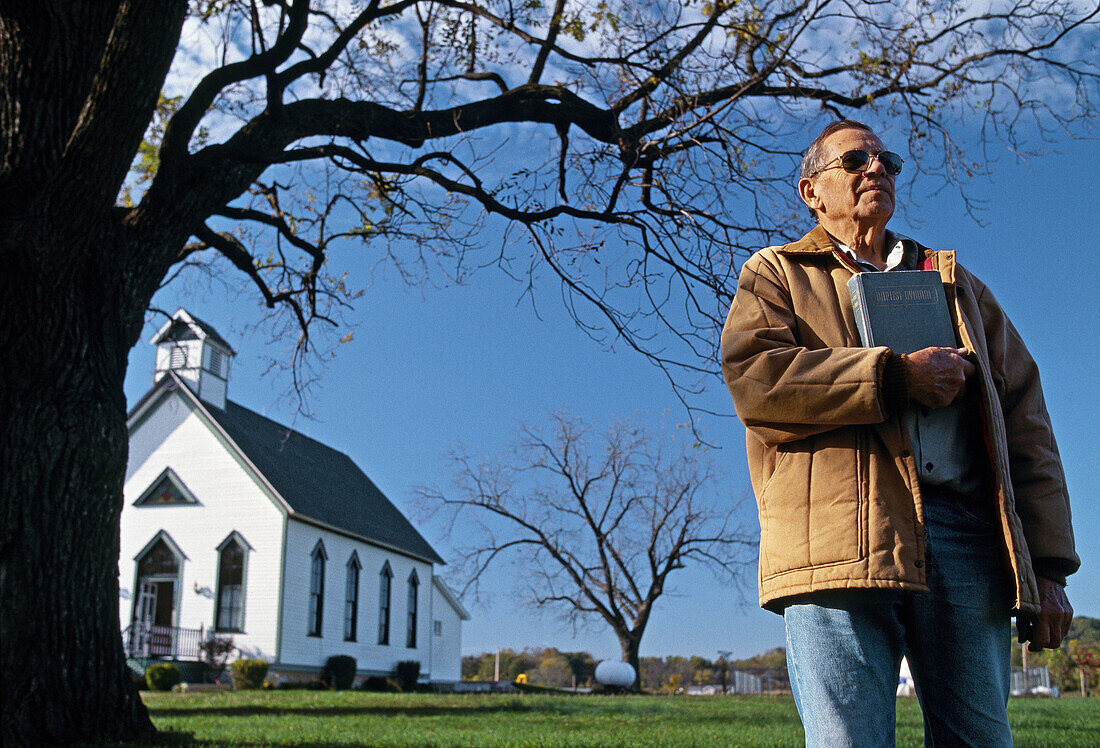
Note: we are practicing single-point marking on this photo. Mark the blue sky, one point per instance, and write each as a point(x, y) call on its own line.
point(429, 369)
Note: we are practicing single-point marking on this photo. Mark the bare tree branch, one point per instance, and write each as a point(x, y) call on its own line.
point(659, 144)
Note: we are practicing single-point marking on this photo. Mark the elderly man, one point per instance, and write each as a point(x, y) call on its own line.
point(878, 541)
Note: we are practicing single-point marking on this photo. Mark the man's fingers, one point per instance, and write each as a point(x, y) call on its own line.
point(1055, 616)
point(936, 376)
point(1040, 634)
point(965, 363)
point(1023, 628)
point(1061, 625)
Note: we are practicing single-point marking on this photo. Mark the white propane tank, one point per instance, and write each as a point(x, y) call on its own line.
point(614, 673)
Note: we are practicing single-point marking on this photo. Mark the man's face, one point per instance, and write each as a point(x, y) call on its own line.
point(841, 198)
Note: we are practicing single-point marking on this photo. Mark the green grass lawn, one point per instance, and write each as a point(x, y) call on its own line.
point(353, 718)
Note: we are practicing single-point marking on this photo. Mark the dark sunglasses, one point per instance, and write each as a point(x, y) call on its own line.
point(858, 161)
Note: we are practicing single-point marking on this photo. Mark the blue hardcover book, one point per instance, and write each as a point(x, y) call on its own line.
point(904, 310)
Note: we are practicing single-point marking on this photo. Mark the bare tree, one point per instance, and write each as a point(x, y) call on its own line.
point(595, 530)
point(630, 149)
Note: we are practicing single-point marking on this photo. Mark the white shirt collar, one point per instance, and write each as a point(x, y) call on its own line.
point(893, 259)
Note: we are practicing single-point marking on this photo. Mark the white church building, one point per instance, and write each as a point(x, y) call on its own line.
point(234, 525)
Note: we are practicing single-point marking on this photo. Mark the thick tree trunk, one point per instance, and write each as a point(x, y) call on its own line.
point(629, 645)
point(64, 336)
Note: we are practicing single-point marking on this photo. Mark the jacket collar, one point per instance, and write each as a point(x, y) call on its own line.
point(818, 243)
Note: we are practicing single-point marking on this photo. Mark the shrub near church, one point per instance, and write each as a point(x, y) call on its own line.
point(248, 674)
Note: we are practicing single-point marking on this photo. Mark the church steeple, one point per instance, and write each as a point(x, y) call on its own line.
point(196, 353)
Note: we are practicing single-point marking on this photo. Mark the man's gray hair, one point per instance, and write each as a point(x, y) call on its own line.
point(814, 159)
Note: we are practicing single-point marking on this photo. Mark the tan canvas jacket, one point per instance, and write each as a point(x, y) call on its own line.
point(835, 483)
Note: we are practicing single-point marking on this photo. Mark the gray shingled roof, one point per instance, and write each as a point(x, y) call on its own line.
point(320, 483)
point(176, 324)
point(209, 330)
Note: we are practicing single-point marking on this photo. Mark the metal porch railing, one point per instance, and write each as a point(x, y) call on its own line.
point(145, 640)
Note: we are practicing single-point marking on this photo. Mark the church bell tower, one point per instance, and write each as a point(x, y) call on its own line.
point(197, 354)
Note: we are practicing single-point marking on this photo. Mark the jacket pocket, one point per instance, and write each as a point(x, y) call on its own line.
point(812, 510)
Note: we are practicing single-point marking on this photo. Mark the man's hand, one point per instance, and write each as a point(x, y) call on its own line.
point(1055, 617)
point(936, 376)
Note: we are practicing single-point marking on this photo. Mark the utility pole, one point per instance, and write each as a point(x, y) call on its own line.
point(1023, 659)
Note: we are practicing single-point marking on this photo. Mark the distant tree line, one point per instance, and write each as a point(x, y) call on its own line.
point(542, 666)
point(552, 668)
point(1073, 667)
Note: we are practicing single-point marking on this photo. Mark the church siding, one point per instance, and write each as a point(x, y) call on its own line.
point(304, 651)
point(230, 499)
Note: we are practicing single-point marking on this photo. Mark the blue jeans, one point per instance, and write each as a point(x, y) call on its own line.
point(844, 647)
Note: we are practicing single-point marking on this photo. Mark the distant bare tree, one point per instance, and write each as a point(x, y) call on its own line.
point(596, 530)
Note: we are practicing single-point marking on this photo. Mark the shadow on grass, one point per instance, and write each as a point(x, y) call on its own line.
point(340, 711)
point(175, 737)
point(434, 710)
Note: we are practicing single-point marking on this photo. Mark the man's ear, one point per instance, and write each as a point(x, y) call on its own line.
point(808, 194)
